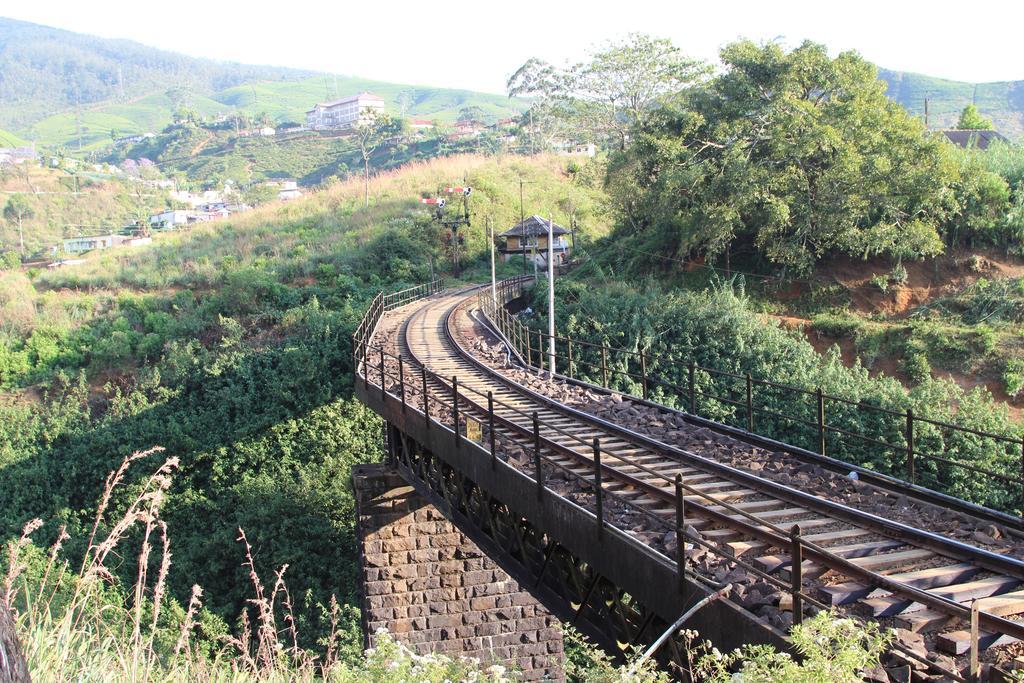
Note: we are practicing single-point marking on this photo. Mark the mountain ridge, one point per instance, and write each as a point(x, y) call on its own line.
point(62, 88)
point(1002, 101)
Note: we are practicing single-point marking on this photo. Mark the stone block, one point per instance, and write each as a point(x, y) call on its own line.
point(442, 621)
point(481, 604)
point(477, 577)
point(395, 545)
point(487, 628)
point(436, 591)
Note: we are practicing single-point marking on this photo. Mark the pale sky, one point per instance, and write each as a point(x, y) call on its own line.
point(477, 45)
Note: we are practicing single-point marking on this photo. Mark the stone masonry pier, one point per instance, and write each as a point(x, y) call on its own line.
point(436, 591)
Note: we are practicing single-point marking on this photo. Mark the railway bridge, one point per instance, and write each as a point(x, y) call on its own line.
point(620, 516)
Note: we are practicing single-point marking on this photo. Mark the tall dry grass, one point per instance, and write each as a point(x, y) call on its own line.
point(333, 221)
point(85, 625)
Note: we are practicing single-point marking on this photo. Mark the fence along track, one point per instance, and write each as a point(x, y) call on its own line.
point(906, 441)
point(733, 511)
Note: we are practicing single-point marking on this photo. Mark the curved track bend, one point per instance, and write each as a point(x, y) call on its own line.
point(917, 580)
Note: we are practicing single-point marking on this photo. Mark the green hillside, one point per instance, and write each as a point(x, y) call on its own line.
point(104, 203)
point(282, 101)
point(8, 139)
point(288, 101)
point(47, 70)
point(72, 90)
point(1003, 102)
point(146, 114)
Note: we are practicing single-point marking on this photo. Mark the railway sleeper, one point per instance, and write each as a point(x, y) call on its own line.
point(852, 591)
point(903, 559)
point(1005, 605)
point(771, 563)
point(959, 642)
point(960, 592)
point(738, 548)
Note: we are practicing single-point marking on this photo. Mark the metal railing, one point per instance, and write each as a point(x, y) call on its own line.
point(911, 440)
point(381, 303)
point(443, 403)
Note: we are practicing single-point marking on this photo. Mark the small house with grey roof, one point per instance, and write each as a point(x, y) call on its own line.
point(530, 237)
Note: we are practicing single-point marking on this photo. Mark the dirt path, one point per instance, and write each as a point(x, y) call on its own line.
point(202, 144)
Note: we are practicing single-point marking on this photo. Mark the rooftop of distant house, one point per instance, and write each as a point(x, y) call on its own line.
point(978, 139)
point(351, 98)
point(533, 226)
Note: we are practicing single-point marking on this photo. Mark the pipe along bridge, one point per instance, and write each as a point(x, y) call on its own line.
point(618, 514)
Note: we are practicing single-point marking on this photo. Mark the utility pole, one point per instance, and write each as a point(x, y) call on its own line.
point(926, 112)
point(572, 232)
point(494, 281)
point(551, 296)
point(533, 133)
point(452, 224)
point(522, 224)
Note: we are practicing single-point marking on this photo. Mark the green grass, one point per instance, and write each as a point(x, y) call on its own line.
point(104, 204)
point(8, 139)
point(332, 224)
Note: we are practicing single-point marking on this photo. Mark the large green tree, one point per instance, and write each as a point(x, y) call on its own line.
point(369, 133)
point(471, 113)
point(618, 87)
point(971, 119)
point(792, 155)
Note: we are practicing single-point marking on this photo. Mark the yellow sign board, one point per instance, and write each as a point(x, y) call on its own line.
point(474, 432)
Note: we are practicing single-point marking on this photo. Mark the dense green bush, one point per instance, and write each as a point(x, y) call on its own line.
point(915, 362)
point(837, 325)
point(831, 649)
point(1013, 376)
point(791, 157)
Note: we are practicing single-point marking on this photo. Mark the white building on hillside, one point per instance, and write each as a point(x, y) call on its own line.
point(170, 218)
point(344, 113)
point(78, 245)
point(17, 155)
point(287, 188)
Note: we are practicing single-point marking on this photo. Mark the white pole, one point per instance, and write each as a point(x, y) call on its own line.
point(494, 282)
point(551, 295)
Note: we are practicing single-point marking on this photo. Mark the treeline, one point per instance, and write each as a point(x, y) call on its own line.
point(309, 158)
point(47, 69)
point(792, 157)
point(782, 159)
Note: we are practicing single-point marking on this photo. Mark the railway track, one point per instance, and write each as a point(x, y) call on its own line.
point(922, 582)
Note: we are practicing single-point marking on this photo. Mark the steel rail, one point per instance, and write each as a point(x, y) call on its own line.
point(923, 494)
point(994, 562)
point(764, 530)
